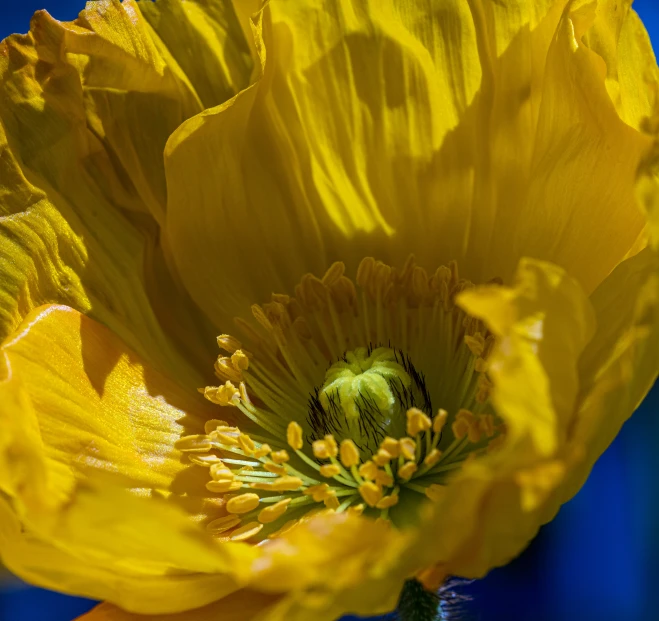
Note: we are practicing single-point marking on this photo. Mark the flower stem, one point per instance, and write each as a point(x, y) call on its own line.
point(417, 604)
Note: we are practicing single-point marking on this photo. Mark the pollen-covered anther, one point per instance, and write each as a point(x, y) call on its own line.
point(294, 436)
point(226, 394)
point(382, 457)
point(432, 458)
point(391, 445)
point(407, 448)
point(281, 484)
point(417, 422)
point(349, 454)
point(273, 512)
point(243, 503)
point(387, 502)
point(325, 449)
point(406, 471)
point(368, 470)
point(246, 532)
point(198, 443)
point(371, 493)
point(439, 421)
point(220, 472)
point(329, 470)
point(462, 423)
point(223, 524)
point(223, 486)
point(228, 343)
point(280, 457)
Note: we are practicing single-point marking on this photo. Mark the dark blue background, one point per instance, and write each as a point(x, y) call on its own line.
point(597, 561)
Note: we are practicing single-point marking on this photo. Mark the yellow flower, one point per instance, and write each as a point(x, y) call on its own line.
point(426, 233)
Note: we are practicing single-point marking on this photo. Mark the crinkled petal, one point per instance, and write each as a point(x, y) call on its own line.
point(84, 404)
point(388, 128)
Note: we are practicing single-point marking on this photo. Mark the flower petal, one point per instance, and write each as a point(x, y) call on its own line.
point(543, 324)
point(390, 128)
point(143, 587)
point(85, 110)
point(243, 605)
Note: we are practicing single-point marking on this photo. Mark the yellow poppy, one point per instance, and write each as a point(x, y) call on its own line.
point(426, 234)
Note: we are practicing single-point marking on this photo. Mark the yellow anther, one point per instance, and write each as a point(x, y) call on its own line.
point(318, 492)
point(227, 394)
point(239, 360)
point(282, 484)
point(221, 525)
point(474, 433)
point(276, 468)
point(407, 448)
point(391, 445)
point(288, 526)
point(262, 451)
point(213, 424)
point(228, 343)
point(382, 457)
point(435, 492)
point(406, 471)
point(274, 512)
point(356, 509)
point(194, 444)
point(349, 453)
point(220, 472)
point(294, 436)
point(368, 470)
point(332, 446)
point(371, 493)
point(204, 459)
point(417, 422)
point(225, 370)
point(227, 437)
point(222, 487)
point(329, 470)
point(383, 478)
point(243, 503)
point(246, 443)
point(331, 501)
point(475, 343)
point(387, 501)
point(320, 449)
point(246, 532)
point(433, 458)
point(279, 457)
point(439, 421)
point(486, 423)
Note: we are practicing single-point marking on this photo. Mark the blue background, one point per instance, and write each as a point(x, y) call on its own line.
point(598, 560)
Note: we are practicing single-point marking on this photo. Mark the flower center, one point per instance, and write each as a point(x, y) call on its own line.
point(322, 420)
point(365, 396)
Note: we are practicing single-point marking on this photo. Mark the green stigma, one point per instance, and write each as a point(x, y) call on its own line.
point(366, 381)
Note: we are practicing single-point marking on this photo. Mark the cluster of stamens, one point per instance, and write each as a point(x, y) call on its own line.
point(283, 462)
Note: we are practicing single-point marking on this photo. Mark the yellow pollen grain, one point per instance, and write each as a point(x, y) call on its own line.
point(435, 492)
point(439, 421)
point(280, 457)
point(246, 532)
point(223, 486)
point(221, 525)
point(417, 422)
point(349, 454)
point(387, 501)
point(407, 448)
point(243, 503)
point(371, 493)
point(407, 470)
point(329, 470)
point(294, 436)
point(274, 512)
point(433, 458)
